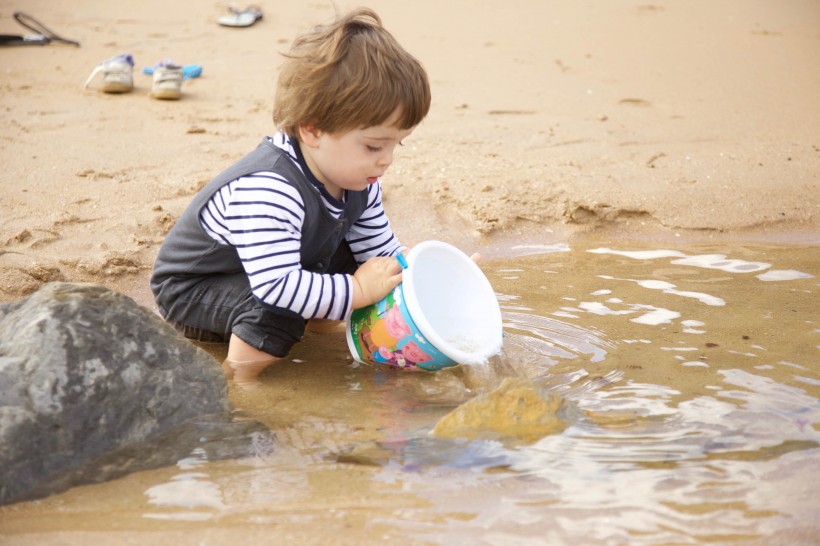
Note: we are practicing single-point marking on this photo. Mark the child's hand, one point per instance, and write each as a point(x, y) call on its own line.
point(374, 280)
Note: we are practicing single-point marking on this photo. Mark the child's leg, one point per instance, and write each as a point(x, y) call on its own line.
point(224, 306)
point(244, 363)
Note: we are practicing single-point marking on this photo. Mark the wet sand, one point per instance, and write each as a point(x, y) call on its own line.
point(670, 119)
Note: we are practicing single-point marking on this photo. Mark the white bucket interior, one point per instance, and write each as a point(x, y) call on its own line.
point(452, 303)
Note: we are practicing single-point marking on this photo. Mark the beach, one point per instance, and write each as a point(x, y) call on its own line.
point(643, 182)
point(550, 120)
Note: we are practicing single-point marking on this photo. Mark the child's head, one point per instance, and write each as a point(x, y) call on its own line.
point(349, 74)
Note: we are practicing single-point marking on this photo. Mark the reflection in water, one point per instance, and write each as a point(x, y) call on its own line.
point(186, 490)
point(694, 372)
point(544, 339)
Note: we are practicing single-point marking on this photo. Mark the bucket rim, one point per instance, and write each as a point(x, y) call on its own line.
point(457, 355)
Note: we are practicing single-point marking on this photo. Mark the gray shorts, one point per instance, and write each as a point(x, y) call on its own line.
point(210, 309)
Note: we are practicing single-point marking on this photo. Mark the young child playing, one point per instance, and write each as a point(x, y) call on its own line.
point(295, 231)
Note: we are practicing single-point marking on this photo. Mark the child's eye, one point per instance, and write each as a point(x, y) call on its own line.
point(374, 148)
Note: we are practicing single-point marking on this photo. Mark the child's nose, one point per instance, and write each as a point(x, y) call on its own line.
point(386, 159)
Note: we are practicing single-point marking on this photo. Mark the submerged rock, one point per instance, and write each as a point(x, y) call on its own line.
point(516, 410)
point(88, 379)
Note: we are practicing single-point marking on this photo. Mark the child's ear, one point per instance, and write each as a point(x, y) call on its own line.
point(309, 135)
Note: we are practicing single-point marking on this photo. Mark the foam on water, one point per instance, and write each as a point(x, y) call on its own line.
point(710, 261)
point(653, 315)
point(469, 345)
point(639, 254)
point(719, 261)
point(670, 288)
point(527, 250)
point(707, 261)
point(783, 275)
point(656, 315)
point(689, 326)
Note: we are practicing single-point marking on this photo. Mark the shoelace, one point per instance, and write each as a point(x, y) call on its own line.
point(33, 24)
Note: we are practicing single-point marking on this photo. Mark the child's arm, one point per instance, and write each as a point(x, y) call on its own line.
point(261, 216)
point(371, 235)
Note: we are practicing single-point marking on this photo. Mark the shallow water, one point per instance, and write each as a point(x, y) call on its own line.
point(695, 369)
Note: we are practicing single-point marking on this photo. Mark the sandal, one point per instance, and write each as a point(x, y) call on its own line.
point(44, 36)
point(241, 18)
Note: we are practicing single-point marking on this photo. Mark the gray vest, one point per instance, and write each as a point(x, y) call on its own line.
point(188, 251)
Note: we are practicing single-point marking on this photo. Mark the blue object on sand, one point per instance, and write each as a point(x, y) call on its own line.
point(188, 71)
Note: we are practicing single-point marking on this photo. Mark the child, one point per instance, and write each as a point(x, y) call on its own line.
point(295, 230)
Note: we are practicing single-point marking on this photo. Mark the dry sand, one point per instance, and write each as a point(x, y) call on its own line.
point(550, 118)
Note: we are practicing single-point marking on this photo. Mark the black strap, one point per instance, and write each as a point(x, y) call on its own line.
point(44, 34)
point(24, 39)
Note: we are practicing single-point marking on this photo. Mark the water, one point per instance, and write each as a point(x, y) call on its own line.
point(694, 370)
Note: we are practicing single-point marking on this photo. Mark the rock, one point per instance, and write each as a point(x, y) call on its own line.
point(86, 373)
point(516, 410)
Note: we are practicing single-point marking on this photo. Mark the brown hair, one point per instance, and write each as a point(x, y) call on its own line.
point(349, 74)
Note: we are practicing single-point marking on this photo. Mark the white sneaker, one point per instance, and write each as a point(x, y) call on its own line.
point(167, 81)
point(117, 74)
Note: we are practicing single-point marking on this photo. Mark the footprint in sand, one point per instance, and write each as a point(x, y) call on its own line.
point(33, 238)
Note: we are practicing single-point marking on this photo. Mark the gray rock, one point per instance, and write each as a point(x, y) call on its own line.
point(91, 382)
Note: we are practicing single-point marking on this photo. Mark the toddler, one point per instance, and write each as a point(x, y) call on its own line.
point(295, 231)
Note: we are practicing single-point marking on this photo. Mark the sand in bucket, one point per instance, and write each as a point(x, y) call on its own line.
point(443, 313)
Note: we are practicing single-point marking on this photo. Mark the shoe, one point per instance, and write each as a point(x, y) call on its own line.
point(117, 74)
point(167, 81)
point(241, 18)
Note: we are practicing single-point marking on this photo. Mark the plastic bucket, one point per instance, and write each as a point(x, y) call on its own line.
point(443, 313)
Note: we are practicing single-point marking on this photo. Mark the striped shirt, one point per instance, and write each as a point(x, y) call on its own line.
point(261, 215)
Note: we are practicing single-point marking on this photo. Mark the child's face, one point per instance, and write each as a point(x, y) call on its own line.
point(351, 160)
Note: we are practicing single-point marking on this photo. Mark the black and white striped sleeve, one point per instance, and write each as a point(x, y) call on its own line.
point(371, 235)
point(261, 215)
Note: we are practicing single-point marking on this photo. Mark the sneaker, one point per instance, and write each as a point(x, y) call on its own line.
point(117, 74)
point(167, 81)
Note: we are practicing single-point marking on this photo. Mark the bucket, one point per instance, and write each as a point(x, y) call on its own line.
point(444, 313)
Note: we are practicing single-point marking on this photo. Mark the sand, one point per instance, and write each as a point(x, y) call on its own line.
point(549, 120)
